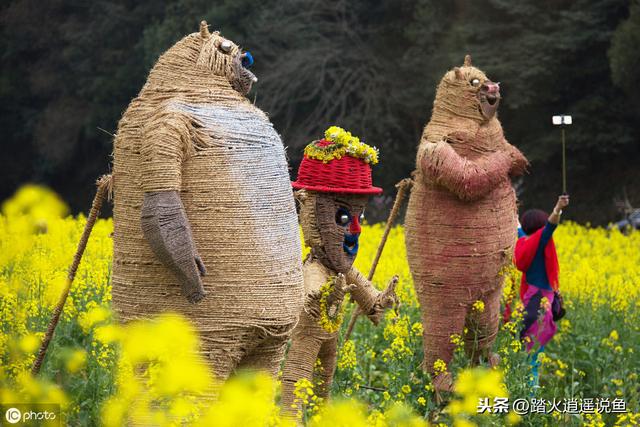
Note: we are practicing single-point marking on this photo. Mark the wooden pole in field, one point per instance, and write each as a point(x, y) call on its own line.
point(563, 121)
point(104, 185)
point(564, 164)
point(403, 186)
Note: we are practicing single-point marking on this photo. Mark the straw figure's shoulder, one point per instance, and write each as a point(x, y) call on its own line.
point(315, 275)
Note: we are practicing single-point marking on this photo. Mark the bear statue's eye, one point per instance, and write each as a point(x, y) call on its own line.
point(475, 82)
point(247, 59)
point(225, 46)
point(342, 217)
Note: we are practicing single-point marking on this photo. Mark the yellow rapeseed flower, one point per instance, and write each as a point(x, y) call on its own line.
point(76, 361)
point(93, 316)
point(29, 343)
point(348, 359)
point(439, 366)
point(478, 306)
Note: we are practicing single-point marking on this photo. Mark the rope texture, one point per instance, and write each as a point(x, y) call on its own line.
point(461, 219)
point(189, 131)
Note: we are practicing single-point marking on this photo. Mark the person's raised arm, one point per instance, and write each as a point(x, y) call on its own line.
point(553, 220)
point(563, 202)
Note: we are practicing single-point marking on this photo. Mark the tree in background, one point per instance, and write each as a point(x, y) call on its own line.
point(623, 55)
point(70, 67)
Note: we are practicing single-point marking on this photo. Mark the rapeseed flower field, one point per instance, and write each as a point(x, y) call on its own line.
point(104, 373)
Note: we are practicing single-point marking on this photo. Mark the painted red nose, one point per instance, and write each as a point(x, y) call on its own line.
point(354, 225)
point(492, 88)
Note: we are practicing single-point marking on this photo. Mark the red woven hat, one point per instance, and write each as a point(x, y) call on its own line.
point(341, 164)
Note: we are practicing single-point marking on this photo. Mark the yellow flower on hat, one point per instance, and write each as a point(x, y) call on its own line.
point(343, 144)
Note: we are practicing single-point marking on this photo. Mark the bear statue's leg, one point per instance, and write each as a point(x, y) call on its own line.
point(231, 347)
point(441, 318)
point(224, 348)
point(328, 355)
point(269, 350)
point(482, 328)
point(299, 364)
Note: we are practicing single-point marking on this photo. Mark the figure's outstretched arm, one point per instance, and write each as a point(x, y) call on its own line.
point(468, 179)
point(372, 302)
point(165, 226)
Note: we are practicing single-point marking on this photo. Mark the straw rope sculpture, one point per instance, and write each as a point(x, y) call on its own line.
point(334, 183)
point(461, 220)
point(204, 215)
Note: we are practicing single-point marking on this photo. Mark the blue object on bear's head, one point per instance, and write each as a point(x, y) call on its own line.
point(247, 60)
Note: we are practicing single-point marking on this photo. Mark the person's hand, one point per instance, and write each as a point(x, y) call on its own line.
point(563, 202)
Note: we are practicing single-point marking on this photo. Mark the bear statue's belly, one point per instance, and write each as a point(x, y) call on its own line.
point(238, 199)
point(451, 242)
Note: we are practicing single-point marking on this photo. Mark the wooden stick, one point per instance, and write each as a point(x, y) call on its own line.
point(402, 187)
point(104, 185)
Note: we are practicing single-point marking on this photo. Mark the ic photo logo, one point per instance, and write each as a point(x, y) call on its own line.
point(23, 414)
point(13, 415)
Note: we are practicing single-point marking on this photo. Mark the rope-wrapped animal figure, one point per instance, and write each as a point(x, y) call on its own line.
point(204, 215)
point(461, 220)
point(334, 183)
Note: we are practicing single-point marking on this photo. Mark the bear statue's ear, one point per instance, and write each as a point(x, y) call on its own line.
point(467, 60)
point(204, 30)
point(458, 73)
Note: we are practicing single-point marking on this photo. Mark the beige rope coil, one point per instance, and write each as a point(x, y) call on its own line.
point(189, 131)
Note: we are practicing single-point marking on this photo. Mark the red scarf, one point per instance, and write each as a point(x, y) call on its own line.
point(525, 251)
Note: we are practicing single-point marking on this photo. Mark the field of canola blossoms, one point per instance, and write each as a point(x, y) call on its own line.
point(102, 373)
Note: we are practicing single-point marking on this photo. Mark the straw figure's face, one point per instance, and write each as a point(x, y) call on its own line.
point(202, 60)
point(331, 226)
point(467, 91)
point(225, 58)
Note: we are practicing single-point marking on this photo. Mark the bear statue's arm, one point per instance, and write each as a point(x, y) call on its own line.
point(519, 162)
point(372, 302)
point(163, 219)
point(468, 179)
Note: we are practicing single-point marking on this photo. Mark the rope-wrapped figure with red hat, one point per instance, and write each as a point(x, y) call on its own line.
point(334, 184)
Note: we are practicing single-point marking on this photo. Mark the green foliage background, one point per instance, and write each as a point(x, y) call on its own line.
point(69, 67)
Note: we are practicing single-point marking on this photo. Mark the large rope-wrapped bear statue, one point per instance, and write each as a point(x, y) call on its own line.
point(461, 220)
point(204, 215)
point(334, 183)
